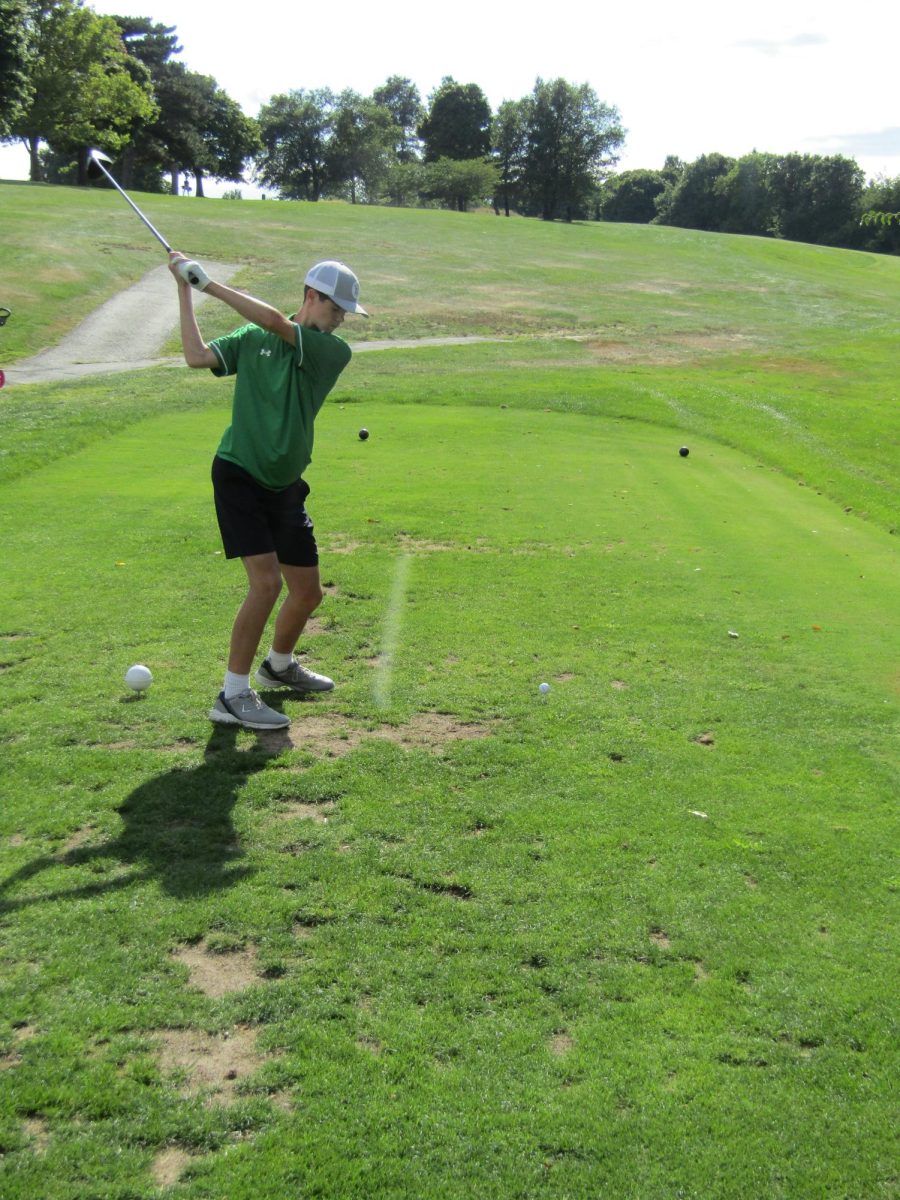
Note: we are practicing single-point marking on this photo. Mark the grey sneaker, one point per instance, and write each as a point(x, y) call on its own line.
point(297, 678)
point(248, 710)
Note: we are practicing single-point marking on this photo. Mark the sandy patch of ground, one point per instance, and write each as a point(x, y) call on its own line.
point(333, 735)
point(210, 1064)
point(217, 974)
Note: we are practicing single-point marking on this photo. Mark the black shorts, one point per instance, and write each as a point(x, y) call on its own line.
point(258, 520)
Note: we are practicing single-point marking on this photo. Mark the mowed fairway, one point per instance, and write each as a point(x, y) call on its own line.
point(451, 937)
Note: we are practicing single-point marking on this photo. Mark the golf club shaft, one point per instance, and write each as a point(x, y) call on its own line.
point(159, 237)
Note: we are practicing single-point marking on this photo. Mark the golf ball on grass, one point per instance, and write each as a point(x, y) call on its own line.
point(138, 677)
point(684, 452)
point(363, 434)
point(544, 688)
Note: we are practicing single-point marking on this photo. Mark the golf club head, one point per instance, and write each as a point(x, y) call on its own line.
point(95, 159)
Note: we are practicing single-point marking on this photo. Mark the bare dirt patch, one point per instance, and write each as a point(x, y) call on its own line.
point(334, 735)
point(210, 1064)
point(38, 1133)
point(78, 839)
point(306, 812)
point(168, 1166)
point(659, 938)
point(372, 1045)
point(560, 1044)
point(218, 974)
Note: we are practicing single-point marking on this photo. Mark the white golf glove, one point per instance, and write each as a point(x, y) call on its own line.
point(194, 274)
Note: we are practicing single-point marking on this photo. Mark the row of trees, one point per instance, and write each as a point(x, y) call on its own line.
point(801, 197)
point(545, 155)
point(71, 79)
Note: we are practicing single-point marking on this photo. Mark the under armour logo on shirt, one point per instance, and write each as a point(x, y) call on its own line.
point(267, 353)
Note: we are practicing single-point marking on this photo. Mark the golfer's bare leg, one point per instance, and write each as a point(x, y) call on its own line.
point(303, 597)
point(264, 578)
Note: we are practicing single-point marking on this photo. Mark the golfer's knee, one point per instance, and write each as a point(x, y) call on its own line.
point(267, 588)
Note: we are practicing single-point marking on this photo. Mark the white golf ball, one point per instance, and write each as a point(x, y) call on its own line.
point(544, 689)
point(138, 677)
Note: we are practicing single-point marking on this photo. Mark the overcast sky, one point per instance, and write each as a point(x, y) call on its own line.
point(688, 78)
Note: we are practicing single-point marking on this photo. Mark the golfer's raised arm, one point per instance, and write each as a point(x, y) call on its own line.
point(196, 351)
point(253, 310)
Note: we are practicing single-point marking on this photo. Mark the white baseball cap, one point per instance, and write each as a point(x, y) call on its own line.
point(337, 281)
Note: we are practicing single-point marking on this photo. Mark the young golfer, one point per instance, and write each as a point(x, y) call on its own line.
point(284, 368)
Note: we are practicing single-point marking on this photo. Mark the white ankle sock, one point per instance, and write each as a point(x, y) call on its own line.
point(235, 684)
point(280, 662)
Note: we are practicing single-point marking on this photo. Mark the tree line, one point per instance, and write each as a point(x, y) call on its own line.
point(800, 197)
point(71, 79)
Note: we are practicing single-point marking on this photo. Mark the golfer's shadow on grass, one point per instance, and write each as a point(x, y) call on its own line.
point(178, 830)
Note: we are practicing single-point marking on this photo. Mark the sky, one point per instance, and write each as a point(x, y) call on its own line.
point(687, 78)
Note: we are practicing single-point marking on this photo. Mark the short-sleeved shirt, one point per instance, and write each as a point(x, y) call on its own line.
point(278, 391)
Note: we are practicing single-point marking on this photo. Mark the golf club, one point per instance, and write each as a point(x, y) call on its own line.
point(96, 159)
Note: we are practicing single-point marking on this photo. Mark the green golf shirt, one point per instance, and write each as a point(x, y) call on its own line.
point(278, 391)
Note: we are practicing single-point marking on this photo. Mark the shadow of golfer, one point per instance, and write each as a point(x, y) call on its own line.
point(178, 830)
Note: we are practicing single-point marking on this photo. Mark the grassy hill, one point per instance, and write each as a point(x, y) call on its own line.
point(785, 350)
point(451, 936)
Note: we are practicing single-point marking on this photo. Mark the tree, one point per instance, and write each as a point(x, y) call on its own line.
point(295, 129)
point(631, 196)
point(693, 202)
point(881, 215)
point(817, 198)
point(458, 122)
point(227, 137)
point(571, 137)
point(149, 41)
point(401, 98)
point(458, 183)
point(508, 131)
point(16, 88)
point(85, 93)
point(749, 203)
point(361, 147)
point(403, 183)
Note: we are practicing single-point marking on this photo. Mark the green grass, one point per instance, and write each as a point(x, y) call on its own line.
point(516, 965)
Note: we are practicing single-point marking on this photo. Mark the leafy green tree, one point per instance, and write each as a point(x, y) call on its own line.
point(749, 202)
point(401, 98)
point(631, 196)
point(459, 183)
point(149, 42)
point(85, 91)
point(361, 147)
point(295, 129)
point(693, 201)
point(153, 46)
point(458, 122)
point(403, 183)
point(228, 138)
point(571, 137)
point(509, 134)
point(818, 198)
point(881, 215)
point(16, 88)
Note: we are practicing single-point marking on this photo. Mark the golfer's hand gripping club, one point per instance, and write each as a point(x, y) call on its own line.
point(193, 273)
